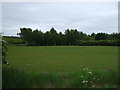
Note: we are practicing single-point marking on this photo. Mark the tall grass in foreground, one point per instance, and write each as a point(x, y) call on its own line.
point(84, 78)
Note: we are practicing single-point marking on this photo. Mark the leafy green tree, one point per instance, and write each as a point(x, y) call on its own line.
point(26, 35)
point(53, 36)
point(61, 39)
point(37, 37)
point(92, 36)
point(115, 36)
point(47, 38)
point(70, 37)
point(100, 36)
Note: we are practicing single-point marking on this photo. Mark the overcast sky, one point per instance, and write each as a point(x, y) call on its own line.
point(88, 17)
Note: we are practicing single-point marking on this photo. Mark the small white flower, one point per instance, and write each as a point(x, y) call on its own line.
point(84, 69)
point(98, 78)
point(84, 81)
point(81, 76)
point(93, 78)
point(90, 72)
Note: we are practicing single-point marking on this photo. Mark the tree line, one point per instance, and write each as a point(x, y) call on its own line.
point(69, 37)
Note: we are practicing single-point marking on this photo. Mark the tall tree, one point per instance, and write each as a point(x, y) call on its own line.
point(70, 37)
point(100, 36)
point(26, 35)
point(53, 36)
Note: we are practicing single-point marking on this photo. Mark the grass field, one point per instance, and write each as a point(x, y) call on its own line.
point(61, 66)
point(63, 58)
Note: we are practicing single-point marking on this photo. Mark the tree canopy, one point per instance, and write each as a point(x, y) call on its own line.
point(70, 37)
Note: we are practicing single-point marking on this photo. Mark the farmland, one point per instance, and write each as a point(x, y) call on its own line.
point(61, 59)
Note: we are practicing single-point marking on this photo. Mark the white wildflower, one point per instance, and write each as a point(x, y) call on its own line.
point(90, 72)
point(84, 69)
point(84, 81)
point(81, 76)
point(93, 78)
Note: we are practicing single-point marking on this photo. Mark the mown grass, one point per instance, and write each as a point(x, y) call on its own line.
point(63, 58)
point(61, 67)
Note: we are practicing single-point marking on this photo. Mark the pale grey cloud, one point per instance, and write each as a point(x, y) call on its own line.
point(87, 17)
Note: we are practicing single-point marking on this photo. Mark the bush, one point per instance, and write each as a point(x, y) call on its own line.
point(100, 43)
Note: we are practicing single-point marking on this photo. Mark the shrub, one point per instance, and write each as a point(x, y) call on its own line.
point(100, 43)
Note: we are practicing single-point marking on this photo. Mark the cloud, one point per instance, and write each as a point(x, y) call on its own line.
point(87, 17)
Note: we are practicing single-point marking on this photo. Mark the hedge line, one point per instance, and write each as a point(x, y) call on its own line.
point(100, 43)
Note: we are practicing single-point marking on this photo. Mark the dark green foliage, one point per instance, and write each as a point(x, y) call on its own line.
point(101, 36)
point(52, 37)
point(26, 35)
point(70, 37)
point(100, 43)
point(4, 52)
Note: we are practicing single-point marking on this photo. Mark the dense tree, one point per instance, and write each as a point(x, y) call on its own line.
point(26, 35)
point(60, 39)
point(70, 37)
point(92, 36)
point(115, 36)
point(101, 36)
point(53, 36)
point(37, 37)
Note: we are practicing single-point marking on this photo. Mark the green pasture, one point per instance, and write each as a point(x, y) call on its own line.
point(62, 58)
